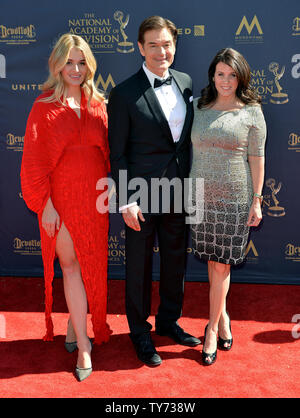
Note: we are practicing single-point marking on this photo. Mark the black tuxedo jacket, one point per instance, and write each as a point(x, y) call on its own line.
point(139, 136)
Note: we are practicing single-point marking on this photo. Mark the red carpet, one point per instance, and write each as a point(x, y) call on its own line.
point(262, 363)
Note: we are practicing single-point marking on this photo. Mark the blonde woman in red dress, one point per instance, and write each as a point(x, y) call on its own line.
point(65, 154)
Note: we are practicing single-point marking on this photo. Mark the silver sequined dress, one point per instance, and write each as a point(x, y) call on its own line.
point(222, 141)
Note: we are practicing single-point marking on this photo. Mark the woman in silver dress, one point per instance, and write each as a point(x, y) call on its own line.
point(228, 138)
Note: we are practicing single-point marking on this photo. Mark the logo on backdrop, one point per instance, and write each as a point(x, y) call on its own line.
point(2, 66)
point(296, 26)
point(26, 87)
point(123, 46)
point(272, 201)
point(251, 253)
point(279, 97)
point(292, 252)
point(116, 249)
point(104, 35)
point(104, 84)
point(266, 83)
point(196, 30)
point(100, 82)
point(24, 247)
point(20, 35)
point(14, 142)
point(249, 33)
point(296, 67)
point(294, 142)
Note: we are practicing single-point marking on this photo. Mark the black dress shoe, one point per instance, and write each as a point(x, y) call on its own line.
point(145, 349)
point(177, 334)
point(226, 344)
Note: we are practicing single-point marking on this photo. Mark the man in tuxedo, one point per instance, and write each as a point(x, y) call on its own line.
point(150, 116)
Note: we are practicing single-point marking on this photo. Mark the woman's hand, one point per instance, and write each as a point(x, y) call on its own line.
point(255, 214)
point(257, 168)
point(50, 219)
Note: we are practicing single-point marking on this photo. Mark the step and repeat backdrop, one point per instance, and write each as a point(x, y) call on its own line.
point(267, 33)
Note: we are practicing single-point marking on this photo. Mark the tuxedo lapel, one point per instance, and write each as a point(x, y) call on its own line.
point(156, 109)
point(154, 104)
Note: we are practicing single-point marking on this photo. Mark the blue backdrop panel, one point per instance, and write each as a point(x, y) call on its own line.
point(266, 33)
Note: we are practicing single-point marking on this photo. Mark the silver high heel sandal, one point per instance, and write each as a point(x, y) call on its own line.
point(83, 373)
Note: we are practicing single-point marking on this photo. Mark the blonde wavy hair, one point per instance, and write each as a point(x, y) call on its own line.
point(58, 59)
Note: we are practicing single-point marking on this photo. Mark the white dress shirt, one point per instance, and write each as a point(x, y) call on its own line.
point(172, 104)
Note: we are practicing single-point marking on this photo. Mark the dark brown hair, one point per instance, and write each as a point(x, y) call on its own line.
point(237, 62)
point(156, 22)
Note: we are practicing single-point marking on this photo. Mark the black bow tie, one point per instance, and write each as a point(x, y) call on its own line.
point(159, 83)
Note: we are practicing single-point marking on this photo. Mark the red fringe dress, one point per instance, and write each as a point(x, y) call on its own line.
point(64, 156)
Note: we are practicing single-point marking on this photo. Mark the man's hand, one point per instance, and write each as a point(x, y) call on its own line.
point(131, 217)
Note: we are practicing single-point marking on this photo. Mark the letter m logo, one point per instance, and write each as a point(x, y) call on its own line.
point(250, 27)
point(106, 83)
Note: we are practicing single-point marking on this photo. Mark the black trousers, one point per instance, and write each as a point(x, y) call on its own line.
point(171, 232)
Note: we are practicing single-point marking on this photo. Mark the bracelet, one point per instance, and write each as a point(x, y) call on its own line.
point(259, 196)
